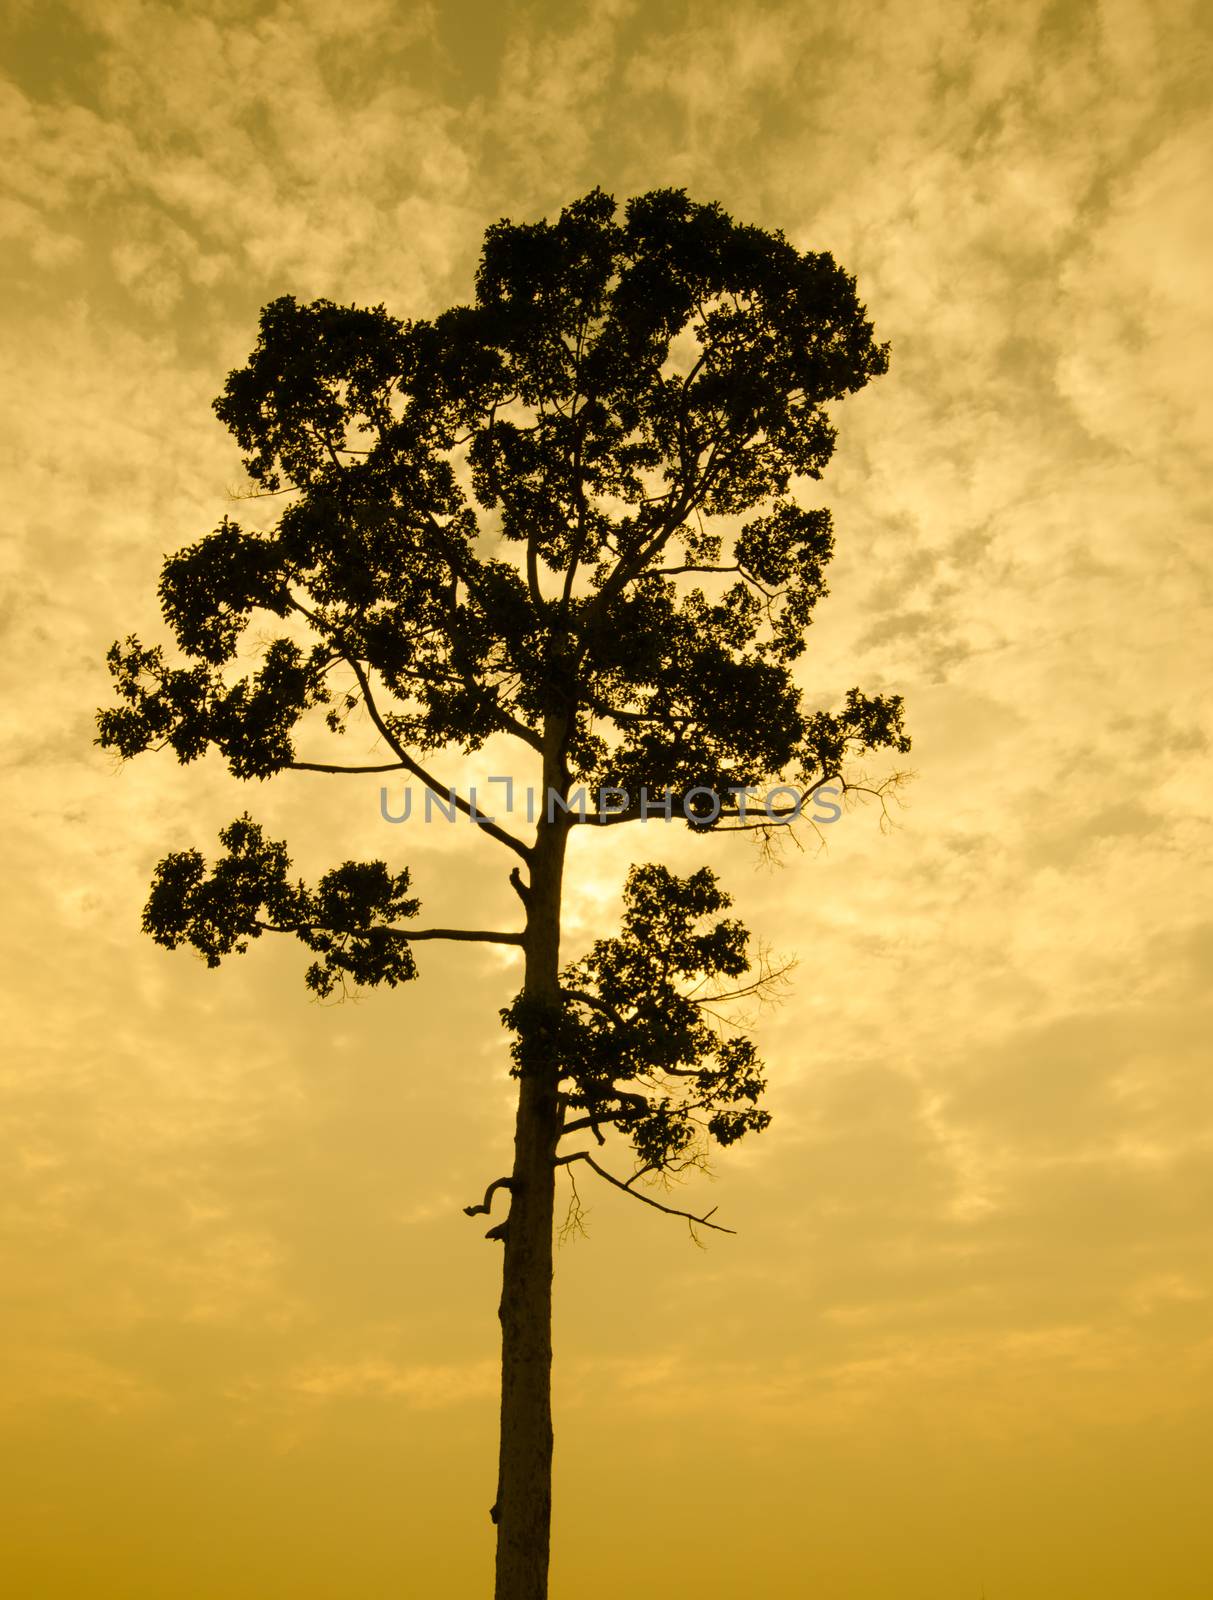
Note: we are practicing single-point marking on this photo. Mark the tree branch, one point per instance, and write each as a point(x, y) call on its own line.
point(670, 1211)
point(588, 1125)
point(323, 766)
point(485, 1208)
point(459, 935)
point(491, 828)
point(597, 1004)
point(673, 572)
point(755, 816)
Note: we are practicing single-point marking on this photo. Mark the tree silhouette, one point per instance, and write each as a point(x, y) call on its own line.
point(564, 514)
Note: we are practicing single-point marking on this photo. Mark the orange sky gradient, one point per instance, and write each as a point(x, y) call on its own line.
point(963, 1340)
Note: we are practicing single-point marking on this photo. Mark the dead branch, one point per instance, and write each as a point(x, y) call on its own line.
point(670, 1211)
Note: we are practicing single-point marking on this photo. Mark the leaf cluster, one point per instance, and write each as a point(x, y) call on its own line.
point(349, 919)
point(633, 1036)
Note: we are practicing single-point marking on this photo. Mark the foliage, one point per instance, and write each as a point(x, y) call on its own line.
point(347, 919)
point(567, 513)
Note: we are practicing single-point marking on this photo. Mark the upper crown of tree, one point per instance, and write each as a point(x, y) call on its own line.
point(491, 510)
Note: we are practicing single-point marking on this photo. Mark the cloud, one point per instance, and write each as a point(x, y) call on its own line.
point(977, 1225)
point(428, 1387)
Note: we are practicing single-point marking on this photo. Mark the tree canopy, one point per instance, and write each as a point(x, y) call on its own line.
point(575, 495)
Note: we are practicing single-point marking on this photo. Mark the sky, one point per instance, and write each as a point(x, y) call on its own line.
point(962, 1342)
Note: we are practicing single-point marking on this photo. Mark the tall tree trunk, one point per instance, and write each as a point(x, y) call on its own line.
point(524, 1484)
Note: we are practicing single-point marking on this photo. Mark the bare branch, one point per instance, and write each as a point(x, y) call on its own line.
point(673, 572)
point(410, 936)
point(323, 766)
point(671, 1211)
point(756, 818)
point(409, 764)
point(765, 985)
point(491, 828)
point(592, 1124)
point(485, 1208)
point(574, 1217)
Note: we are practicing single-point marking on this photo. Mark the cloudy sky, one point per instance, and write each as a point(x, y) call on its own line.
point(963, 1341)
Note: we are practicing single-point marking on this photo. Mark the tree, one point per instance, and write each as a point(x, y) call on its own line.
point(565, 514)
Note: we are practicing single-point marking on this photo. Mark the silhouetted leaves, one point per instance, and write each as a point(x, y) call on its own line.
point(619, 378)
point(634, 1039)
point(348, 919)
point(637, 394)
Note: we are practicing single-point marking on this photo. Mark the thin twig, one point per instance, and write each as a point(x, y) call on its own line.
point(670, 1211)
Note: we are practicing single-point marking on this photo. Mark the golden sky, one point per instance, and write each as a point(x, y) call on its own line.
point(964, 1338)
